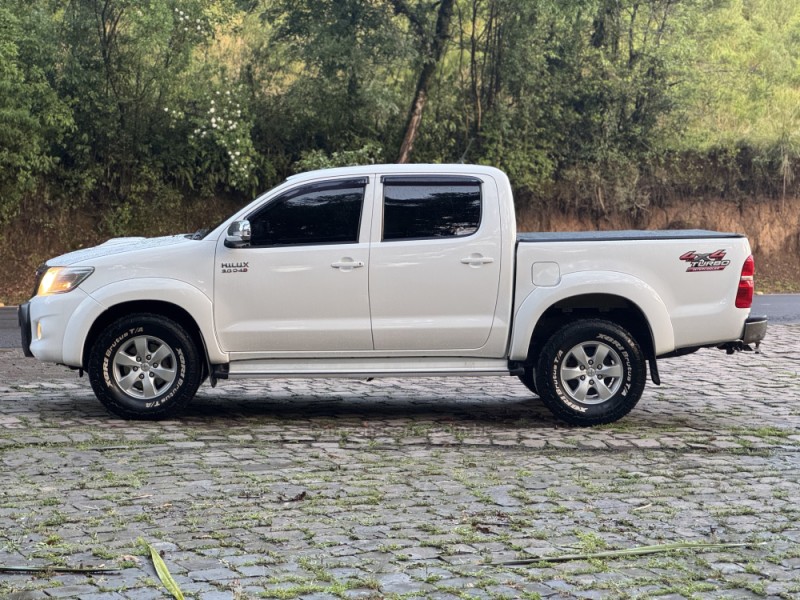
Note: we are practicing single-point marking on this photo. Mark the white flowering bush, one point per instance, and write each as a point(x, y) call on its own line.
point(192, 23)
point(210, 129)
point(228, 128)
point(218, 135)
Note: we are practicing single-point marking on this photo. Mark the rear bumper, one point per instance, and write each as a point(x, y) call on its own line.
point(24, 319)
point(755, 329)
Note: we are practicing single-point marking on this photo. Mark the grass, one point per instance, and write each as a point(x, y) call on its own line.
point(767, 433)
point(778, 283)
point(590, 541)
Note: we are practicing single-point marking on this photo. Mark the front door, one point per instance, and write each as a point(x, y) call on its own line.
point(302, 285)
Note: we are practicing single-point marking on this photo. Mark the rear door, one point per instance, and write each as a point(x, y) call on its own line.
point(435, 262)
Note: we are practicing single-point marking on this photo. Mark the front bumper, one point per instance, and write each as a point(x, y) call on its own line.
point(43, 325)
point(24, 318)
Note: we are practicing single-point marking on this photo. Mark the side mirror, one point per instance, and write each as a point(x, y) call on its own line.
point(238, 235)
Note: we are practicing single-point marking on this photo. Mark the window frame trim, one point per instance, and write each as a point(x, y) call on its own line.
point(431, 179)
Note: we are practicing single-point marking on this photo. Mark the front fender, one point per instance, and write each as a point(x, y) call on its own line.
point(171, 291)
point(584, 283)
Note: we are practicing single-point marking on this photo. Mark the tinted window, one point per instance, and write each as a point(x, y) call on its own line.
point(415, 208)
point(327, 213)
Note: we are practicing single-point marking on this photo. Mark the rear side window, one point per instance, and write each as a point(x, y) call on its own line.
point(430, 207)
point(320, 213)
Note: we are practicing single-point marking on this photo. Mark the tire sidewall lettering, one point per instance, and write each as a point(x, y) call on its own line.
point(554, 378)
point(107, 356)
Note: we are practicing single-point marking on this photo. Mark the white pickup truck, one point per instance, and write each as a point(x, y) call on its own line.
point(390, 271)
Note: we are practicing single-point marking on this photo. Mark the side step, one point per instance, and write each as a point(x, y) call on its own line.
point(362, 368)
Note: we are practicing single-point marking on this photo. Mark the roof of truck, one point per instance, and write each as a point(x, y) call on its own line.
point(398, 169)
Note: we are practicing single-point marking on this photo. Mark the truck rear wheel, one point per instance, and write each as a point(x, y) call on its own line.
point(144, 367)
point(591, 372)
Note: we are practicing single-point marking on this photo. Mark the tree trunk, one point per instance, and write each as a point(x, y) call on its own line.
point(430, 60)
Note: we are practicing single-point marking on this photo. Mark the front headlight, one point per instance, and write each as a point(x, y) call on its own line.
point(59, 280)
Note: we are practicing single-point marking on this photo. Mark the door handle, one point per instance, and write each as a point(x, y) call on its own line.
point(476, 260)
point(347, 264)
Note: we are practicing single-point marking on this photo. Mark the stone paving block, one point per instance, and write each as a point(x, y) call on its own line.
point(141, 593)
point(401, 583)
point(30, 595)
point(217, 595)
point(70, 591)
point(213, 575)
point(363, 594)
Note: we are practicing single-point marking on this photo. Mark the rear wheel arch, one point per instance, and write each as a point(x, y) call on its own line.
point(608, 307)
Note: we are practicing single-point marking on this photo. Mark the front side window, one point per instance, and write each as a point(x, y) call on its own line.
point(430, 207)
point(319, 213)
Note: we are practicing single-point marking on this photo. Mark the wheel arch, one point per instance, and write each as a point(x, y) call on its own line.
point(174, 299)
point(609, 307)
point(161, 308)
point(624, 298)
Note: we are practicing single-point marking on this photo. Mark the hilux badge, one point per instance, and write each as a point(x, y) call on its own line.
point(238, 267)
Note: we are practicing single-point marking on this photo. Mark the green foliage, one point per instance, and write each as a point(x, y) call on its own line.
point(128, 107)
point(745, 96)
point(32, 117)
point(369, 154)
point(135, 74)
point(334, 86)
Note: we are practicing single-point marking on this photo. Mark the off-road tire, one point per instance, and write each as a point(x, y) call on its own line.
point(582, 390)
point(121, 383)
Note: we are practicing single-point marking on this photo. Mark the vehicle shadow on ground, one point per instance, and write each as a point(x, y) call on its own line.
point(220, 410)
point(212, 410)
point(325, 411)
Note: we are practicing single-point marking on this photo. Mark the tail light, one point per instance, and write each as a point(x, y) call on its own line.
point(744, 295)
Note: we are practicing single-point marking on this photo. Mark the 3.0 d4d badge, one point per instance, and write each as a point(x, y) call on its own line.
point(238, 267)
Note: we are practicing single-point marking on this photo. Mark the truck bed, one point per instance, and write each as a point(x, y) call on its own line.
point(627, 236)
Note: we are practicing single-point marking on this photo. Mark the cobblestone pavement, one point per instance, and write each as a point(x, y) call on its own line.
point(398, 489)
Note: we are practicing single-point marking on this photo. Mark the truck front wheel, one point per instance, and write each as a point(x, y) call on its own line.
point(591, 372)
point(144, 367)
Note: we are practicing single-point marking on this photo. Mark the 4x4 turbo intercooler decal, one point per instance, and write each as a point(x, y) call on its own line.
point(713, 261)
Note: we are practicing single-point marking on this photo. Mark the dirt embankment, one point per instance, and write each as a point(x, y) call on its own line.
point(773, 228)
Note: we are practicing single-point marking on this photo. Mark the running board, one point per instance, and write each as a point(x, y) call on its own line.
point(362, 368)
